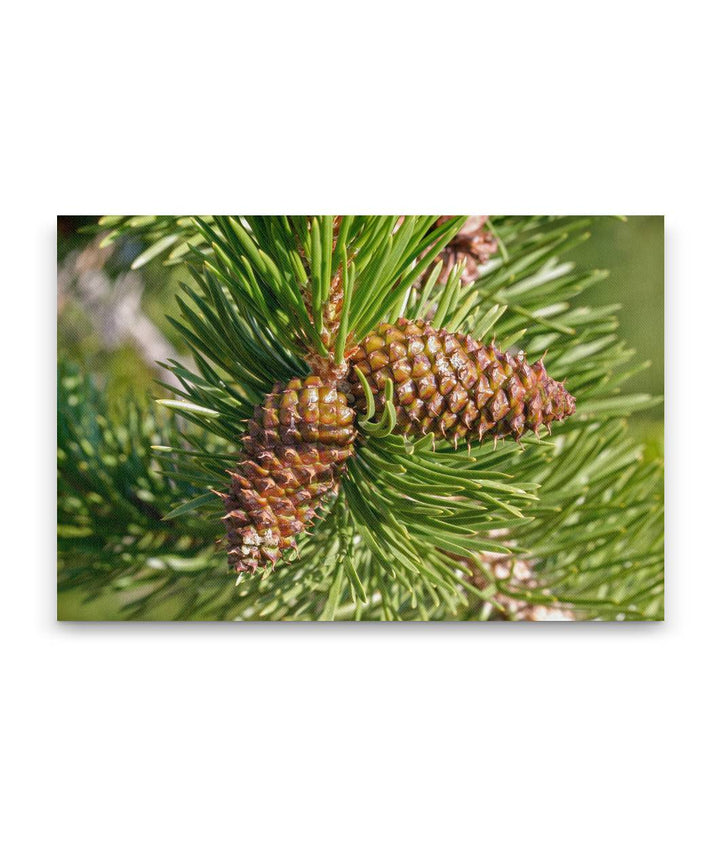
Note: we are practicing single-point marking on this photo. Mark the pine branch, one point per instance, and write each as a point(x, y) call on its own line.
point(410, 534)
point(112, 500)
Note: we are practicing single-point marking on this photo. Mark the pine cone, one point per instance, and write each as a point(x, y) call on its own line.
point(518, 573)
point(296, 447)
point(453, 386)
point(474, 244)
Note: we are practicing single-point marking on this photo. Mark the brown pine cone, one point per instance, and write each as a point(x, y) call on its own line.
point(452, 386)
point(296, 447)
point(473, 244)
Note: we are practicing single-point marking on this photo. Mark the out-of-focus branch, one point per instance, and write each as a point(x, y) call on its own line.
point(113, 306)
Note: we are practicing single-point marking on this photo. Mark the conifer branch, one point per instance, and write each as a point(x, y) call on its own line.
point(416, 523)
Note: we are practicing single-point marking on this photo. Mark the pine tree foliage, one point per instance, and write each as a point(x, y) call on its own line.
point(416, 524)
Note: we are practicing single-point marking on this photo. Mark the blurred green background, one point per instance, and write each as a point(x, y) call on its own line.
point(633, 252)
point(112, 321)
